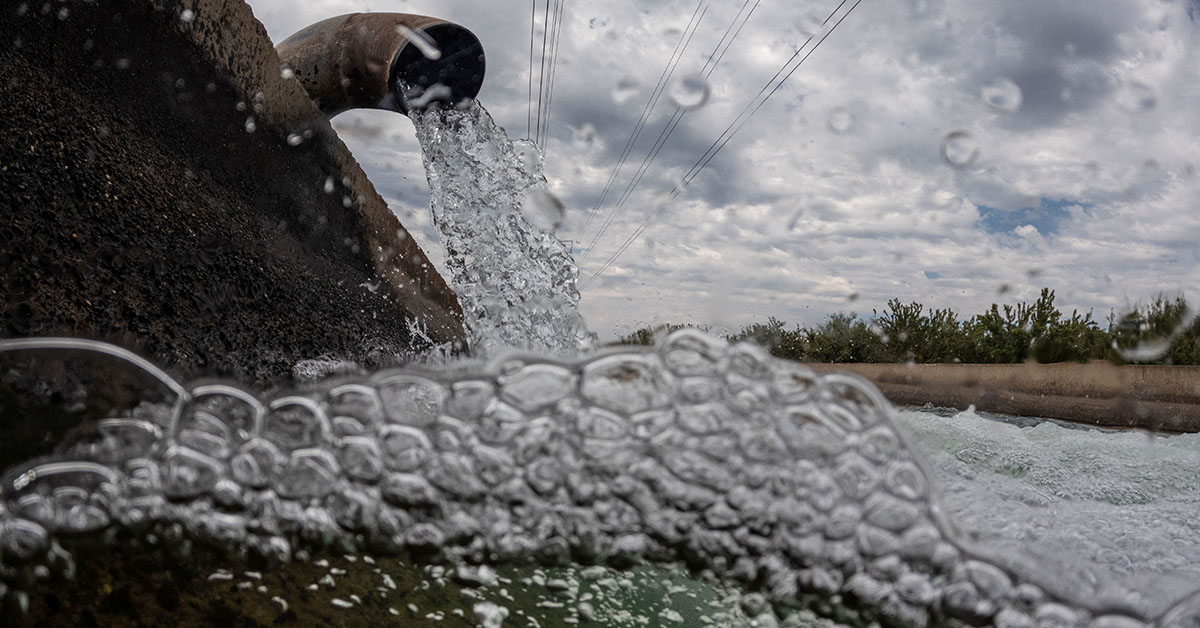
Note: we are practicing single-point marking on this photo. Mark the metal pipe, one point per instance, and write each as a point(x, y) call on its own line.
point(394, 61)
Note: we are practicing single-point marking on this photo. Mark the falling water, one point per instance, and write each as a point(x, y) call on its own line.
point(516, 284)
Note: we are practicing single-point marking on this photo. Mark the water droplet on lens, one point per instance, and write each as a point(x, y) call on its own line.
point(791, 226)
point(294, 139)
point(329, 185)
point(584, 136)
point(624, 90)
point(543, 210)
point(1147, 350)
point(250, 125)
point(841, 120)
point(187, 15)
point(1136, 97)
point(422, 41)
point(689, 92)
point(811, 24)
point(1002, 95)
point(286, 73)
point(960, 149)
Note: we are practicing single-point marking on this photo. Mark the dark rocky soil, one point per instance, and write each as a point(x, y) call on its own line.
point(136, 208)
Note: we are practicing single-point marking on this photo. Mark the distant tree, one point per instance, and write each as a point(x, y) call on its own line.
point(649, 335)
point(843, 338)
point(766, 335)
point(1165, 331)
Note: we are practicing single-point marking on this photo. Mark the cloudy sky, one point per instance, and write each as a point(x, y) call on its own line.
point(951, 152)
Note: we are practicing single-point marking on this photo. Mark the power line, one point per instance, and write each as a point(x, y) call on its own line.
point(529, 102)
point(738, 32)
point(669, 129)
point(542, 74)
point(706, 71)
point(637, 129)
point(728, 134)
point(557, 39)
point(633, 136)
point(675, 192)
point(743, 117)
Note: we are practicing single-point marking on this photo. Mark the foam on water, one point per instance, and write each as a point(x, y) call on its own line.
point(794, 486)
point(515, 283)
point(1127, 503)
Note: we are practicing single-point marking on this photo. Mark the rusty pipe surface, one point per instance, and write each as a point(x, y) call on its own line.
point(394, 61)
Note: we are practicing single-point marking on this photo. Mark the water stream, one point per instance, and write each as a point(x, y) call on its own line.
point(800, 490)
point(515, 282)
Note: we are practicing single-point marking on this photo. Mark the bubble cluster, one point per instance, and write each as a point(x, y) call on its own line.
point(796, 487)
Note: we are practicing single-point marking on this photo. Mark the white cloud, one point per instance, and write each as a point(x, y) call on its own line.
point(1106, 124)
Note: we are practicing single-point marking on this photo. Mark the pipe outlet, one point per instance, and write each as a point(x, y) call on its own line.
point(393, 61)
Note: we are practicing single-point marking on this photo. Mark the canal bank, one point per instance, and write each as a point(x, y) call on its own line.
point(1160, 398)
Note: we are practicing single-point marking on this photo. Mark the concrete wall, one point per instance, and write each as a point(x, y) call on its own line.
point(1099, 393)
point(139, 206)
point(152, 198)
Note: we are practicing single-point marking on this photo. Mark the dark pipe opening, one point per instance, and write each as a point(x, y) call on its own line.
point(457, 75)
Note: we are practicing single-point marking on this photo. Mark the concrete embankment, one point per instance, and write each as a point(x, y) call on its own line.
point(166, 187)
point(1165, 398)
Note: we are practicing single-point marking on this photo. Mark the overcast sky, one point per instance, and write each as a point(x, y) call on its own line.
point(838, 194)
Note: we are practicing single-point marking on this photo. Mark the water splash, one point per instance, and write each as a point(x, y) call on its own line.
point(796, 486)
point(515, 283)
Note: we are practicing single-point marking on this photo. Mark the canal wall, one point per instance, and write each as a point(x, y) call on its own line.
point(166, 187)
point(1163, 398)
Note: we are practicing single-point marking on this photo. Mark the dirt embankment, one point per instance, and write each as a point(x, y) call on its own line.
point(163, 188)
point(1165, 398)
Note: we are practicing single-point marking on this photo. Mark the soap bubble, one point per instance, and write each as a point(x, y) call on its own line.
point(960, 149)
point(689, 92)
point(1002, 95)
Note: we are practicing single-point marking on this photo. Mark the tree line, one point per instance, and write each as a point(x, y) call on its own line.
point(1164, 331)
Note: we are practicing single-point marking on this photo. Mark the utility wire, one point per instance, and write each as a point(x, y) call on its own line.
point(542, 74)
point(529, 102)
point(730, 131)
point(672, 123)
point(637, 128)
point(557, 39)
point(709, 66)
point(743, 117)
